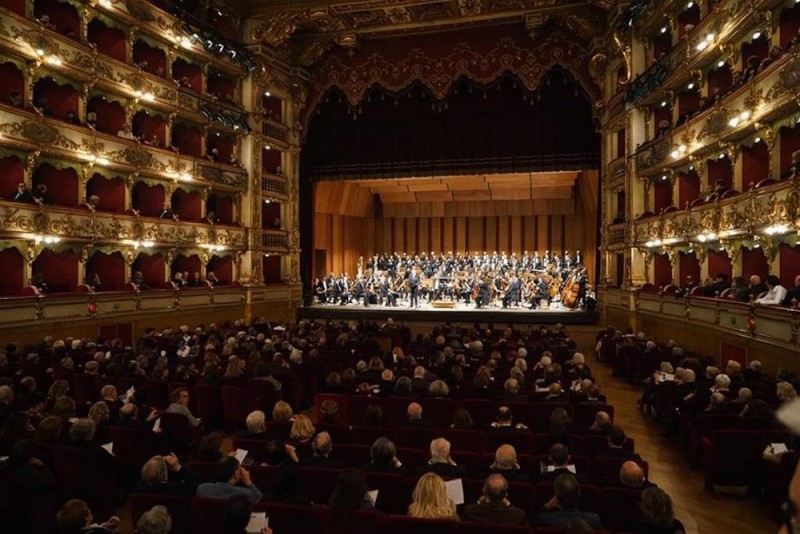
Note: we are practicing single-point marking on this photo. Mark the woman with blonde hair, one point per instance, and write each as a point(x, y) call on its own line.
point(302, 429)
point(282, 412)
point(430, 499)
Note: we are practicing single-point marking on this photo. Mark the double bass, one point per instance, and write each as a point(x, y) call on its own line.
point(570, 292)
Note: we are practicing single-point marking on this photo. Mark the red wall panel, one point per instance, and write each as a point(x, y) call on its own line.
point(155, 57)
point(111, 192)
point(688, 188)
point(789, 265)
point(13, 272)
point(109, 41)
point(222, 267)
point(13, 80)
point(109, 267)
point(61, 99)
point(688, 266)
point(152, 268)
point(790, 23)
point(146, 126)
point(663, 195)
point(188, 140)
point(662, 270)
point(58, 269)
point(181, 263)
point(62, 14)
point(720, 169)
point(754, 262)
point(11, 173)
point(110, 115)
point(62, 184)
point(181, 68)
point(222, 208)
point(15, 6)
point(790, 143)
point(719, 263)
point(187, 205)
point(271, 267)
point(755, 164)
point(149, 200)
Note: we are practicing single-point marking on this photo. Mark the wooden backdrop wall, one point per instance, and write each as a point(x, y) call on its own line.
point(350, 222)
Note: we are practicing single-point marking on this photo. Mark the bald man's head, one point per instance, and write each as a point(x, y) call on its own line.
point(495, 488)
point(555, 389)
point(414, 411)
point(323, 444)
point(602, 420)
point(505, 457)
point(631, 475)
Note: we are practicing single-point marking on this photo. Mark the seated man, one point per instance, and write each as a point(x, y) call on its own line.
point(505, 463)
point(631, 475)
point(775, 292)
point(415, 419)
point(212, 279)
point(563, 507)
point(505, 421)
point(601, 425)
point(164, 475)
point(616, 441)
point(511, 392)
point(494, 506)
point(23, 194)
point(232, 479)
point(559, 464)
point(441, 463)
point(321, 448)
point(793, 295)
point(76, 516)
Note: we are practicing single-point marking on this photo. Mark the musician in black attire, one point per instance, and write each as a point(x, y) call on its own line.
point(512, 291)
point(413, 286)
point(483, 295)
point(319, 291)
point(581, 280)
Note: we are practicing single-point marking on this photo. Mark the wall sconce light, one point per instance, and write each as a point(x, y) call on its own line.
point(679, 152)
point(706, 236)
point(776, 229)
point(653, 243)
point(706, 42)
point(46, 239)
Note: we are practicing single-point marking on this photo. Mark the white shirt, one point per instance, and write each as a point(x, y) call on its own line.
point(773, 296)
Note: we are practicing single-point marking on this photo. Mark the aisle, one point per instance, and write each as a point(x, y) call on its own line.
point(701, 512)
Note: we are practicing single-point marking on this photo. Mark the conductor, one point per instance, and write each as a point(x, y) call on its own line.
point(413, 287)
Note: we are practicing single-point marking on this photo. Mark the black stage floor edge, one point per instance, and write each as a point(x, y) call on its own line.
point(460, 314)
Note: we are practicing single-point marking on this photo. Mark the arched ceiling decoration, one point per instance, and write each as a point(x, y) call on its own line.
point(439, 61)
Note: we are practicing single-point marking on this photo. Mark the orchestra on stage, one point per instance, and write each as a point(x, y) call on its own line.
point(483, 280)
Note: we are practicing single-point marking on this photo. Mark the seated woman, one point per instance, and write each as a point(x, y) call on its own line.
point(657, 514)
point(350, 492)
point(430, 499)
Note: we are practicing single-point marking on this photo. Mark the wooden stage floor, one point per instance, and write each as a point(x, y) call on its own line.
point(461, 313)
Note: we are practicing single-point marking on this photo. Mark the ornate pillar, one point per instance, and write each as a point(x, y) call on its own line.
point(204, 79)
point(130, 182)
point(130, 38)
point(83, 30)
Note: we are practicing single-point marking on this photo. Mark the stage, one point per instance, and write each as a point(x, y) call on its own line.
point(461, 313)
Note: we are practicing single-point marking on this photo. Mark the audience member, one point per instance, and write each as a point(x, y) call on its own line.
point(430, 501)
point(563, 506)
point(494, 506)
point(232, 479)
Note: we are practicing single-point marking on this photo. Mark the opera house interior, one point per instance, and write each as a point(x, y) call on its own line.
point(508, 266)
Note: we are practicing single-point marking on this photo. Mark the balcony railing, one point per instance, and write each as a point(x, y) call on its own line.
point(616, 234)
point(275, 130)
point(274, 240)
point(274, 184)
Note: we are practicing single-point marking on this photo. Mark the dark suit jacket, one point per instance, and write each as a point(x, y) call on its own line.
point(560, 517)
point(552, 475)
point(182, 483)
point(443, 470)
point(504, 396)
point(418, 423)
point(495, 512)
point(511, 476)
point(322, 462)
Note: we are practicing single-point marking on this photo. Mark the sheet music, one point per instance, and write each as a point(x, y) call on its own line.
point(240, 455)
point(455, 491)
point(109, 447)
point(258, 522)
point(373, 496)
point(157, 425)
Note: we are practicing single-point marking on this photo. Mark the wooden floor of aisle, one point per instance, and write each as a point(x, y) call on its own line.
point(700, 511)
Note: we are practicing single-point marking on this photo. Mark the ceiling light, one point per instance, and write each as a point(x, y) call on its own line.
point(266, 201)
point(721, 155)
point(53, 60)
point(690, 86)
point(756, 34)
point(664, 29)
point(757, 140)
point(103, 161)
point(664, 103)
point(690, 5)
point(186, 177)
point(39, 52)
point(663, 177)
point(267, 147)
point(721, 63)
point(702, 45)
point(706, 236)
point(733, 122)
point(267, 93)
point(691, 168)
point(106, 3)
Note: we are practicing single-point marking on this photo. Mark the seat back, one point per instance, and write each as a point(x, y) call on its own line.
point(736, 456)
point(415, 438)
point(482, 411)
point(366, 435)
point(352, 455)
point(176, 426)
point(619, 508)
point(540, 414)
point(208, 400)
point(318, 484)
point(85, 388)
point(523, 442)
point(439, 411)
point(402, 524)
point(357, 522)
point(235, 406)
point(254, 447)
point(357, 405)
point(395, 411)
point(157, 394)
point(394, 492)
point(605, 471)
point(465, 440)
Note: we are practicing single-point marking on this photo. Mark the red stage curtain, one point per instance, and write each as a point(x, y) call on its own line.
point(688, 266)
point(110, 115)
point(662, 270)
point(688, 188)
point(11, 173)
point(62, 184)
point(109, 40)
point(789, 264)
point(190, 264)
point(271, 266)
point(222, 267)
point(111, 192)
point(109, 267)
point(188, 140)
point(58, 269)
point(149, 200)
point(186, 205)
point(222, 208)
point(13, 272)
point(62, 14)
point(790, 143)
point(155, 57)
point(13, 80)
point(152, 268)
point(61, 99)
point(755, 164)
point(754, 262)
point(719, 263)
